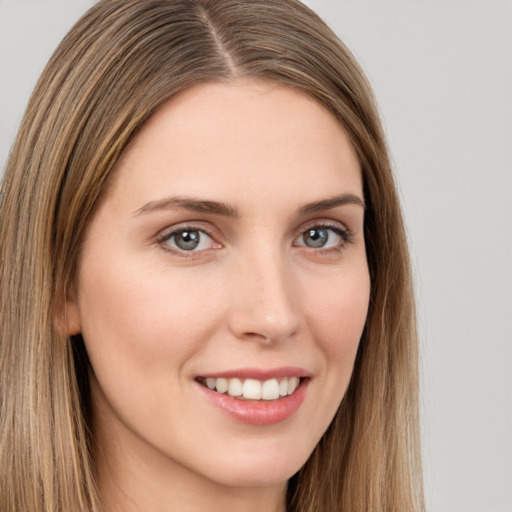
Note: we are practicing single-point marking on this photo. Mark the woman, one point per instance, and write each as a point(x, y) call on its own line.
point(206, 299)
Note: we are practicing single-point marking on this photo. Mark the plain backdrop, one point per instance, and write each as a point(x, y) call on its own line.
point(442, 73)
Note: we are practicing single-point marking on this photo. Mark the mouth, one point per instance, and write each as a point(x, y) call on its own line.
point(257, 396)
point(253, 389)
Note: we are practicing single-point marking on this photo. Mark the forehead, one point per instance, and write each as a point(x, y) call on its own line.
point(243, 137)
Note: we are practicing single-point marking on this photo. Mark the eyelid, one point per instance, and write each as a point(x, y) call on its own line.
point(337, 227)
point(169, 232)
point(324, 223)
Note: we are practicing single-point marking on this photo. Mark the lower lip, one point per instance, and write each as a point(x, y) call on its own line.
point(264, 412)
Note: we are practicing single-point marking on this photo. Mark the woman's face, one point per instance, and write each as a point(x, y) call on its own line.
point(227, 252)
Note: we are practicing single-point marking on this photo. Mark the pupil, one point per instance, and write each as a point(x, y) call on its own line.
point(187, 240)
point(316, 237)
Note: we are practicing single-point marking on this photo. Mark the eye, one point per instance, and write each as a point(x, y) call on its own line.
point(187, 240)
point(322, 237)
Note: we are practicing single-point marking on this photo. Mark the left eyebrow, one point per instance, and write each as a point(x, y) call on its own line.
point(330, 203)
point(190, 204)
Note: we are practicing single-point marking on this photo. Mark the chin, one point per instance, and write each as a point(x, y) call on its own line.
point(270, 470)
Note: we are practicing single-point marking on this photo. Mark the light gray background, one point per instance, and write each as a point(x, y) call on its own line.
point(442, 72)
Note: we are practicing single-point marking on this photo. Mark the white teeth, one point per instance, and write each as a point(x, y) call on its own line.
point(222, 385)
point(292, 384)
point(252, 389)
point(270, 389)
point(234, 387)
point(283, 387)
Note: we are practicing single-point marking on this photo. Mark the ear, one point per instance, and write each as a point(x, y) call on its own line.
point(67, 313)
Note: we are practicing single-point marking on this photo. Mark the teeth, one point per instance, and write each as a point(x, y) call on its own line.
point(252, 389)
point(270, 389)
point(234, 387)
point(283, 387)
point(222, 385)
point(292, 385)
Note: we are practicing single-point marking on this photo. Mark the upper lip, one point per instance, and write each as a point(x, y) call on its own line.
point(260, 373)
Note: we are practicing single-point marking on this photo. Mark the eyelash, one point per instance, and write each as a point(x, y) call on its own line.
point(166, 235)
point(344, 234)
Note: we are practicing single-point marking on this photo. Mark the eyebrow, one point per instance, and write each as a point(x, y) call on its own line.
point(219, 208)
point(190, 204)
point(330, 203)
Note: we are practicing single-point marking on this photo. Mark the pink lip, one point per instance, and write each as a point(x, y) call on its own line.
point(258, 412)
point(261, 374)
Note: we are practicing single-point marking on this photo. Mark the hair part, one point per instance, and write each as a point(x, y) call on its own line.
point(119, 63)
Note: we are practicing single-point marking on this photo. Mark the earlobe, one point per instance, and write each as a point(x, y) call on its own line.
point(67, 317)
point(71, 318)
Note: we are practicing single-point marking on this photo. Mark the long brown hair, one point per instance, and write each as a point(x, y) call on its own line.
point(119, 63)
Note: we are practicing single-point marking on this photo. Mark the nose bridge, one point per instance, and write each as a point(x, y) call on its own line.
point(264, 305)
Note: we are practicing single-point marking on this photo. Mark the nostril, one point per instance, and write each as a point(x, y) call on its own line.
point(255, 335)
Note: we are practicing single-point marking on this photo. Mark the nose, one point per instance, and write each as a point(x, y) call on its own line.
point(264, 306)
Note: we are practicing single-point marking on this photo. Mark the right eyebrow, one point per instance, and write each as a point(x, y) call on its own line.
point(190, 204)
point(332, 202)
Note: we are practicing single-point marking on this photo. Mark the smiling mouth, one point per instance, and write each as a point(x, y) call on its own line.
point(252, 389)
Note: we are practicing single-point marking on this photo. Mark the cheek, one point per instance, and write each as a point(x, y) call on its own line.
point(336, 315)
point(135, 317)
point(337, 312)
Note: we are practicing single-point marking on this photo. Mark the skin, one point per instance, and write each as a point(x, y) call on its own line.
point(253, 293)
